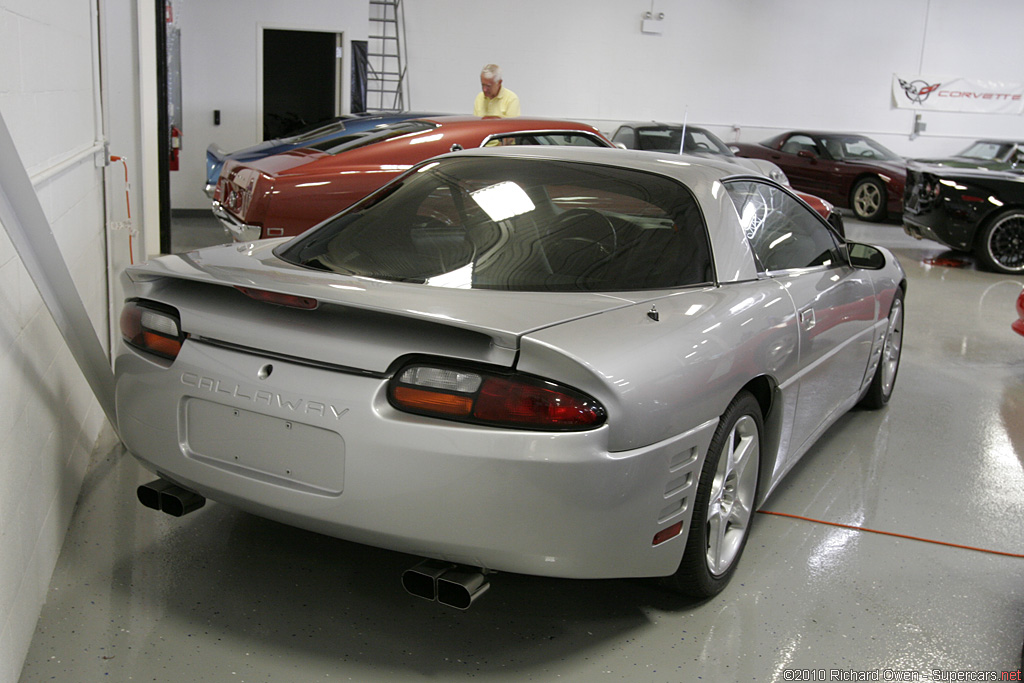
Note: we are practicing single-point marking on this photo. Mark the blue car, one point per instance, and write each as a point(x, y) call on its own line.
point(333, 129)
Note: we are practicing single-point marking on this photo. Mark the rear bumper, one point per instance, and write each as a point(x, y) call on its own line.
point(937, 228)
point(239, 231)
point(324, 450)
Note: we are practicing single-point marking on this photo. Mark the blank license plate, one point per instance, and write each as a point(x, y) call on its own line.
point(286, 452)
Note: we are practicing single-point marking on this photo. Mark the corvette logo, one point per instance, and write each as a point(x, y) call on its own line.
point(918, 91)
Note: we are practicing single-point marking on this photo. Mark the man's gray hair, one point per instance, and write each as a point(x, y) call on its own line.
point(491, 71)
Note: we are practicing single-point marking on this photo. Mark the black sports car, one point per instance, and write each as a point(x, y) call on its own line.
point(974, 210)
point(994, 155)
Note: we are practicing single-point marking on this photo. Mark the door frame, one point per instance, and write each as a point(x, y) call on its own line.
point(341, 78)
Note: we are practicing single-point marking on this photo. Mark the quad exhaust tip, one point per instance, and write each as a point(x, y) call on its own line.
point(167, 497)
point(449, 584)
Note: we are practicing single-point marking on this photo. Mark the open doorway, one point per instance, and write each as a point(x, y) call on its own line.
point(301, 80)
point(298, 81)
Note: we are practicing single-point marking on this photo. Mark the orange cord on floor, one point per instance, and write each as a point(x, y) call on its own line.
point(890, 533)
point(128, 204)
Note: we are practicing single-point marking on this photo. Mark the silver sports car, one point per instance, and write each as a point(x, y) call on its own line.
point(580, 363)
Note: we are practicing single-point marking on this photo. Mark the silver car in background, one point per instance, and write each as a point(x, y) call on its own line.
point(653, 136)
point(578, 363)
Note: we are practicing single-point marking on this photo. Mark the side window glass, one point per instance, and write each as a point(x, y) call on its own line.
point(782, 231)
point(626, 136)
point(799, 143)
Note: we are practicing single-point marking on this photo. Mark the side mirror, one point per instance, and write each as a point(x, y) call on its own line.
point(806, 155)
point(734, 149)
point(620, 145)
point(865, 256)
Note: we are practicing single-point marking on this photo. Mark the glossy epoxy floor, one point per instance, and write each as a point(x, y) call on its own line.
point(224, 596)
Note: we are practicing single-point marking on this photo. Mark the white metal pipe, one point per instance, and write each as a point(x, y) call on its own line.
point(25, 221)
point(71, 161)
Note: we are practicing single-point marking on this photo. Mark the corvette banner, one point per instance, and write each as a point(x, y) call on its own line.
point(957, 94)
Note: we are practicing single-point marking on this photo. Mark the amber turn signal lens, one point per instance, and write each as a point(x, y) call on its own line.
point(433, 401)
point(153, 328)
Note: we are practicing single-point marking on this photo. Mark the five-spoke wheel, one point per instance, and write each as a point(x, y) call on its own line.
point(725, 500)
point(868, 199)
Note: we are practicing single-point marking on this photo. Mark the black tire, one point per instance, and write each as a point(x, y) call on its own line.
point(884, 380)
point(727, 492)
point(868, 199)
point(1000, 243)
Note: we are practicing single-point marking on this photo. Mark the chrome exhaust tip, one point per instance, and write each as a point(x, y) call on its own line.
point(460, 589)
point(421, 580)
point(449, 584)
point(162, 495)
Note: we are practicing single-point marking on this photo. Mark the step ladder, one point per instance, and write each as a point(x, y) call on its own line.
point(386, 83)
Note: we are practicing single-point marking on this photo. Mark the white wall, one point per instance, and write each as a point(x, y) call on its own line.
point(221, 68)
point(50, 423)
point(755, 65)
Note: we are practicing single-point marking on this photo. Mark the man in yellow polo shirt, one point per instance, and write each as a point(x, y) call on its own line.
point(494, 100)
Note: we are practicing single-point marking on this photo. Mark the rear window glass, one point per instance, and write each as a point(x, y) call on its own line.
point(667, 139)
point(572, 139)
point(520, 225)
point(987, 150)
point(371, 137)
point(333, 128)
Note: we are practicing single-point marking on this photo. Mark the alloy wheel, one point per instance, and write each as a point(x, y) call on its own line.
point(1006, 242)
point(731, 503)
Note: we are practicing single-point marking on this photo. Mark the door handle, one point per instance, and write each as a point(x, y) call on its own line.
point(807, 318)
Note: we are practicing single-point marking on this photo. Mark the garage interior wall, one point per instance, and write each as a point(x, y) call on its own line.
point(50, 422)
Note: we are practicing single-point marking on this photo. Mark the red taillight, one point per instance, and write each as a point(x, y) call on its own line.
point(512, 400)
point(500, 400)
point(290, 300)
point(152, 328)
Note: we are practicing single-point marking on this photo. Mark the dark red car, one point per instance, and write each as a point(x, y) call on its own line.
point(851, 171)
point(285, 194)
point(1018, 324)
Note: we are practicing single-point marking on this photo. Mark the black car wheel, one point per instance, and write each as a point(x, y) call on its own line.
point(1000, 245)
point(884, 380)
point(724, 504)
point(868, 199)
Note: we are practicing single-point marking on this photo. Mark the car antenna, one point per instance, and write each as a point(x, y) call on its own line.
point(682, 135)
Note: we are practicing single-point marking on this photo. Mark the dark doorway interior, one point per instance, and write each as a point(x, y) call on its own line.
point(300, 80)
point(164, 127)
point(360, 68)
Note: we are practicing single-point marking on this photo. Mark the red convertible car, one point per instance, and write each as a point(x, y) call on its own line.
point(851, 171)
point(285, 194)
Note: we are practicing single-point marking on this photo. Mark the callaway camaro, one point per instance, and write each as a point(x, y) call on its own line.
point(568, 362)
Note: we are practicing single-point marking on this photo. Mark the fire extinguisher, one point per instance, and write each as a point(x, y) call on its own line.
point(175, 147)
